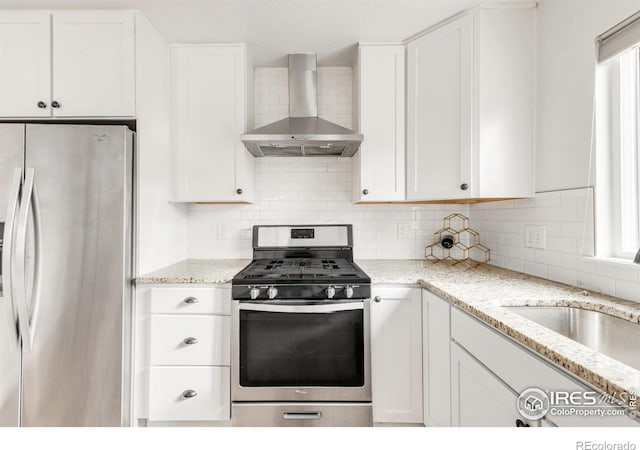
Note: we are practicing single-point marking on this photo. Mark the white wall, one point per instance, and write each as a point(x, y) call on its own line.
point(566, 74)
point(161, 230)
point(311, 190)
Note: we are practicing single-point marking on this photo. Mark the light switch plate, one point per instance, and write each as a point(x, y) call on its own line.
point(535, 236)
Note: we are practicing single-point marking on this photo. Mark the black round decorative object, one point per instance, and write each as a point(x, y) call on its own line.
point(447, 241)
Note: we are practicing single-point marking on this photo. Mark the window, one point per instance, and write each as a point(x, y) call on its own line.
point(618, 198)
point(625, 174)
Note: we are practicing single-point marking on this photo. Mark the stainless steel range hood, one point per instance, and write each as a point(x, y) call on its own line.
point(303, 133)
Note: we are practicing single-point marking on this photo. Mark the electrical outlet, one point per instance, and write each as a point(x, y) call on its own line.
point(535, 236)
point(403, 231)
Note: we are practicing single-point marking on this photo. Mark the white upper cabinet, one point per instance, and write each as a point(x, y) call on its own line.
point(379, 165)
point(209, 90)
point(67, 64)
point(439, 77)
point(396, 354)
point(25, 59)
point(93, 64)
point(470, 107)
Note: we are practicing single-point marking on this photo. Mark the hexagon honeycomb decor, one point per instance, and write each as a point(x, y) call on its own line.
point(456, 243)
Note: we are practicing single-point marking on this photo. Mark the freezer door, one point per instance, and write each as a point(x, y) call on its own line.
point(73, 375)
point(11, 159)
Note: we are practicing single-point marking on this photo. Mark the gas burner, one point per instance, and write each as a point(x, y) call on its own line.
point(298, 267)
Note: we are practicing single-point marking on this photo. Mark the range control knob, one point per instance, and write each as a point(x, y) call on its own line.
point(272, 292)
point(348, 291)
point(331, 292)
point(254, 292)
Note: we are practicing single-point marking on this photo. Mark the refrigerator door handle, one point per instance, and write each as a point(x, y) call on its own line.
point(26, 322)
point(8, 241)
point(37, 280)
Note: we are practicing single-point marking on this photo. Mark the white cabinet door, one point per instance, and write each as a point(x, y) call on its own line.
point(25, 62)
point(379, 166)
point(436, 360)
point(479, 398)
point(93, 64)
point(439, 106)
point(396, 354)
point(209, 115)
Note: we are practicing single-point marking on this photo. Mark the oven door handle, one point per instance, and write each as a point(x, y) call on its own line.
point(317, 308)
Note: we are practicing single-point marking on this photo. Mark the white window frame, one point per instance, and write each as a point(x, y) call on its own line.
point(622, 233)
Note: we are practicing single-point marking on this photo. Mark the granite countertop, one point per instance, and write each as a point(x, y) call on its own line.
point(212, 271)
point(482, 291)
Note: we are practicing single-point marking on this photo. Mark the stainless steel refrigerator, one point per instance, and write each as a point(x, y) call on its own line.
point(66, 204)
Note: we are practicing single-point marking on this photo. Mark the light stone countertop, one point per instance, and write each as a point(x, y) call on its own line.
point(201, 271)
point(482, 291)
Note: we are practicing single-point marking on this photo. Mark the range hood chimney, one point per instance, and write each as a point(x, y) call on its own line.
point(303, 133)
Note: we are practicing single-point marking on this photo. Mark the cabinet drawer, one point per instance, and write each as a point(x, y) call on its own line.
point(190, 340)
point(169, 389)
point(191, 301)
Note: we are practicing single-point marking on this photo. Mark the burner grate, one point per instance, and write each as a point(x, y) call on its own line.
point(302, 264)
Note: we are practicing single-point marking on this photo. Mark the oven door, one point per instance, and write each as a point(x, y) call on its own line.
point(301, 351)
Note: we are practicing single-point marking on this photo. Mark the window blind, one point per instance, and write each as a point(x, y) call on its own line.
point(619, 38)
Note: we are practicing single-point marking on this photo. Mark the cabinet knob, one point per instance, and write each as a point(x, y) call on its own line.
point(55, 104)
point(42, 105)
point(520, 423)
point(377, 299)
point(365, 192)
point(464, 186)
point(190, 341)
point(191, 300)
point(189, 393)
point(238, 191)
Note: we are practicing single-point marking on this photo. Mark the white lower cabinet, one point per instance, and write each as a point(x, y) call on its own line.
point(396, 354)
point(436, 360)
point(182, 355)
point(478, 397)
point(514, 367)
point(189, 393)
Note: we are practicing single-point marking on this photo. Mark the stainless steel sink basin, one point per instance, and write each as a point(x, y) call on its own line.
point(612, 336)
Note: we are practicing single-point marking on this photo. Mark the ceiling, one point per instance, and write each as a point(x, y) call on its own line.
point(273, 28)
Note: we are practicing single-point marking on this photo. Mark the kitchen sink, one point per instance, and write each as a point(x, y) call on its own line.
point(612, 336)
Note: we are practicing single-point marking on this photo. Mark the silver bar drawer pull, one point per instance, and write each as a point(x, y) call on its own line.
point(190, 393)
point(191, 300)
point(190, 341)
point(302, 415)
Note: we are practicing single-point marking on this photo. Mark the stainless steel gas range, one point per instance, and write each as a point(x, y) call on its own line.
point(301, 347)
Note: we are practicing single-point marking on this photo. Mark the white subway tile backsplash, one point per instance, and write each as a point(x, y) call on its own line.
point(596, 283)
point(535, 269)
point(568, 217)
point(562, 275)
point(627, 289)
